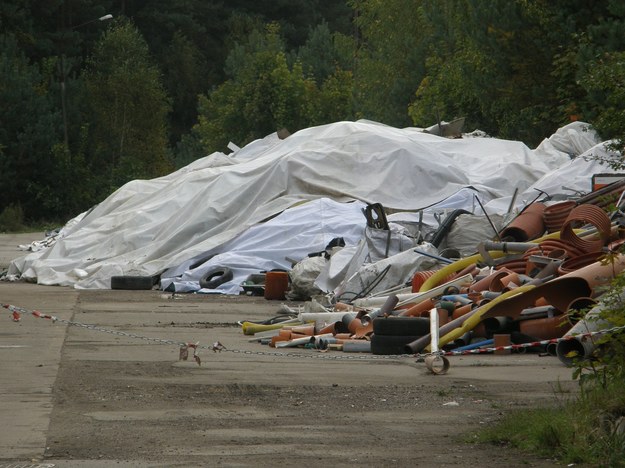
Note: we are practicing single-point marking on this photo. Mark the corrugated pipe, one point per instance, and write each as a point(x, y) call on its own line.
point(587, 214)
point(556, 214)
point(575, 263)
point(463, 263)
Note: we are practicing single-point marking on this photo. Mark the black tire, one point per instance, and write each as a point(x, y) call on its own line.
point(390, 344)
point(133, 283)
point(212, 279)
point(401, 326)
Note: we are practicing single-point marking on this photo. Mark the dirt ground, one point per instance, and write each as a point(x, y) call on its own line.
point(115, 396)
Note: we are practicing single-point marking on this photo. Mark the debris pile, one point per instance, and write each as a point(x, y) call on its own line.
point(531, 284)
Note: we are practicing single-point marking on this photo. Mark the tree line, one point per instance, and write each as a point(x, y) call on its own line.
point(88, 103)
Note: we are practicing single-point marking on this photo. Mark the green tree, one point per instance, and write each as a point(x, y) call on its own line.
point(390, 59)
point(127, 109)
point(29, 129)
point(324, 53)
point(265, 94)
point(596, 58)
point(605, 83)
point(184, 77)
point(478, 66)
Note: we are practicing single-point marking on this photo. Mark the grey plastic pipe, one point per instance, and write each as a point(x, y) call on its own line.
point(582, 347)
point(509, 246)
point(386, 309)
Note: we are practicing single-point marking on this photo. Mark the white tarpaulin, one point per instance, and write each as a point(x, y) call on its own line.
point(310, 228)
point(149, 226)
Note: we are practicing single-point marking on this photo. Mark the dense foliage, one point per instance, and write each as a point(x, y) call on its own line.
point(86, 105)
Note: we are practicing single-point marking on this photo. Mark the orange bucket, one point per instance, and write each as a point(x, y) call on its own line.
point(276, 285)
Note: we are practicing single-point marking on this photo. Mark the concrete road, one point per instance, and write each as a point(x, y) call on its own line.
point(65, 398)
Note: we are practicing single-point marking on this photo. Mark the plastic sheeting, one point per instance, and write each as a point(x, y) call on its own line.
point(275, 244)
point(149, 226)
point(469, 230)
point(569, 152)
point(388, 273)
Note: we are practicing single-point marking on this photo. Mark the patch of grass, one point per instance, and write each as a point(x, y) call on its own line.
point(588, 429)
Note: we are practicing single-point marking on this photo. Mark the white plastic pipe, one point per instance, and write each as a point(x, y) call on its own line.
point(322, 317)
point(414, 297)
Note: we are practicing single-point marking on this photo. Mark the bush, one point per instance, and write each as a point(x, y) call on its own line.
point(12, 219)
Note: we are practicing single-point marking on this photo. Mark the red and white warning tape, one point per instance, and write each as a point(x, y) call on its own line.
point(583, 336)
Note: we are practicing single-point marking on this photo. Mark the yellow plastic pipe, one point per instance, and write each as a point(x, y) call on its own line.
point(249, 328)
point(476, 317)
point(458, 265)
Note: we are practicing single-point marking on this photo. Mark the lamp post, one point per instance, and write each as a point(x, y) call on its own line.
point(63, 76)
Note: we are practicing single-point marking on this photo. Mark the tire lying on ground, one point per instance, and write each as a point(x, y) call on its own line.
point(390, 344)
point(401, 326)
point(215, 277)
point(132, 282)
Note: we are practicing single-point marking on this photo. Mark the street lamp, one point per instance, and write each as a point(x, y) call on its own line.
point(101, 18)
point(63, 76)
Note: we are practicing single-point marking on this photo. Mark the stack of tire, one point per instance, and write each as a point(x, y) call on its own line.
point(391, 334)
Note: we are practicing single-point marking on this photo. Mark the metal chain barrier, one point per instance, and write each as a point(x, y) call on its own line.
point(16, 312)
point(217, 346)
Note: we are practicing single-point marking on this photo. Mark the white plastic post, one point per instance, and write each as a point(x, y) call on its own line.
point(434, 330)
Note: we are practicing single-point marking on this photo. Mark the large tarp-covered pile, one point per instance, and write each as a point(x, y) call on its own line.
point(246, 209)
